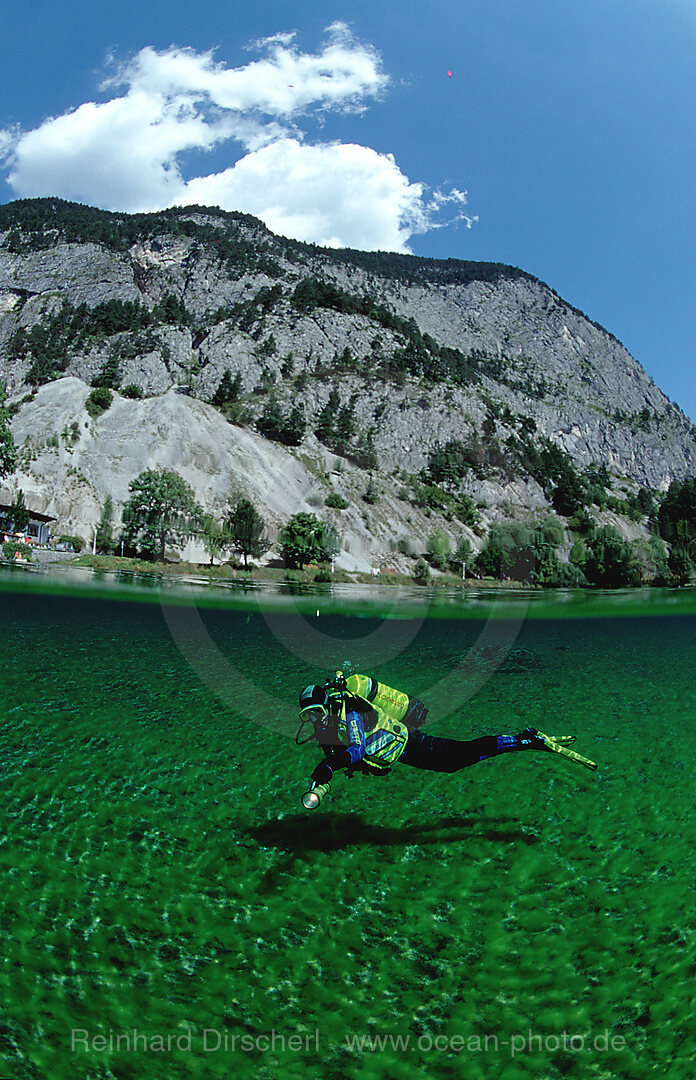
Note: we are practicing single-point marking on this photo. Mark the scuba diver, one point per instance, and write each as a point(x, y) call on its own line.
point(364, 726)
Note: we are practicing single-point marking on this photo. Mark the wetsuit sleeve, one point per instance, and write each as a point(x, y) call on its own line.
point(356, 737)
point(340, 757)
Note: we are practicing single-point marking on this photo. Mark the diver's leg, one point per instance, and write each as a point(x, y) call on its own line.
point(449, 755)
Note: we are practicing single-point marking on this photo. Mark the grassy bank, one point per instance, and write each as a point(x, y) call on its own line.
point(309, 575)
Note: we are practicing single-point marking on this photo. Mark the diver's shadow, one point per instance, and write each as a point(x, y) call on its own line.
point(299, 836)
point(302, 834)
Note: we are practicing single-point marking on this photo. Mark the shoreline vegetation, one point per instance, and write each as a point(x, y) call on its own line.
point(228, 572)
point(162, 514)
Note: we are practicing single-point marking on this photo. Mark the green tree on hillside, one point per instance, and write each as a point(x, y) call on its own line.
point(161, 510)
point(18, 515)
point(228, 390)
point(439, 549)
point(98, 401)
point(216, 536)
point(8, 456)
point(325, 424)
point(463, 555)
point(306, 539)
point(287, 428)
point(109, 375)
point(677, 514)
point(682, 561)
point(610, 561)
point(105, 535)
point(247, 531)
point(570, 493)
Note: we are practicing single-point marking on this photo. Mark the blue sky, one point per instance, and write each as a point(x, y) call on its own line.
point(566, 125)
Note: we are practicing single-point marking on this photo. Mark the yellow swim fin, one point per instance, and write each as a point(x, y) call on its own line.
point(559, 745)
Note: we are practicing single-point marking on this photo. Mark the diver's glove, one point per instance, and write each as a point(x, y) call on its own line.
point(323, 773)
point(531, 739)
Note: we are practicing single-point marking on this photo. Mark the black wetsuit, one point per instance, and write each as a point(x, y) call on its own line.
point(425, 751)
point(422, 751)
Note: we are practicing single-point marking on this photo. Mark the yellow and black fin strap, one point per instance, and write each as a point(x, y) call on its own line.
point(558, 747)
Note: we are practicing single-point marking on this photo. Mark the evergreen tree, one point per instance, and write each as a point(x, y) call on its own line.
point(8, 455)
point(677, 514)
point(344, 428)
point(439, 549)
point(18, 514)
point(110, 374)
point(466, 511)
point(105, 538)
point(295, 427)
point(272, 419)
point(325, 427)
point(610, 562)
point(247, 531)
point(98, 401)
point(364, 453)
point(463, 555)
point(682, 561)
point(421, 572)
point(172, 310)
point(274, 423)
point(371, 494)
point(229, 389)
point(570, 493)
point(216, 537)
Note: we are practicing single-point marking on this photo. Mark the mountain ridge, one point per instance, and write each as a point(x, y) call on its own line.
point(423, 354)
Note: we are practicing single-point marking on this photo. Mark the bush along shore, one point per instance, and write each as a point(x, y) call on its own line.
point(235, 571)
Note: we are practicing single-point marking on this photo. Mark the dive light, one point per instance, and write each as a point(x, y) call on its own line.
point(312, 798)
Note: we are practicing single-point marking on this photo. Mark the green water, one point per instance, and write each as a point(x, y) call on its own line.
point(161, 882)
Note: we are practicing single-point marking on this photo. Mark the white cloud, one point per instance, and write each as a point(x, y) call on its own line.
point(120, 155)
point(334, 194)
point(7, 143)
point(127, 153)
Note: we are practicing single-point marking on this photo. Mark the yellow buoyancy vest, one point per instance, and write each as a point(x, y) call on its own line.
point(380, 696)
point(385, 735)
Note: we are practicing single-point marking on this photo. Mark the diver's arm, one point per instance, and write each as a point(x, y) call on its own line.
point(344, 756)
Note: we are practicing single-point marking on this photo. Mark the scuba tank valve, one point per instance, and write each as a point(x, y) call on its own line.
point(312, 798)
point(338, 682)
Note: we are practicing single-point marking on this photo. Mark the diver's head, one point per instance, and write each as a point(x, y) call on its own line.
point(313, 701)
point(313, 708)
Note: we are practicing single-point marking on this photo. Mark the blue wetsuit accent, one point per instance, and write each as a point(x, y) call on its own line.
point(356, 735)
point(505, 742)
point(337, 755)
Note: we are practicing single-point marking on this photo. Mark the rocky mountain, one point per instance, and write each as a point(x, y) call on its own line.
point(450, 393)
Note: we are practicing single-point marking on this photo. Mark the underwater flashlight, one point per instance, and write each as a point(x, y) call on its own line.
point(312, 798)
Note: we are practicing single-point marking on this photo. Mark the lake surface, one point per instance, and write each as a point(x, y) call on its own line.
point(170, 910)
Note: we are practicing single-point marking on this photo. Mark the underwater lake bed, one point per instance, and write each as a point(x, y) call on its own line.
point(170, 909)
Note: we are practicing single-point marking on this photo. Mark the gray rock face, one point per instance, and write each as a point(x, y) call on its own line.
point(78, 272)
point(535, 357)
point(69, 462)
